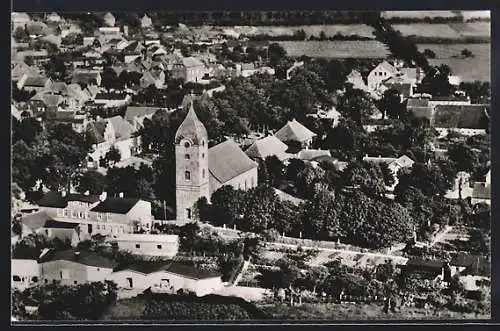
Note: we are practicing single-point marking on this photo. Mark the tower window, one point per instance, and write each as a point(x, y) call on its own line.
point(186, 144)
point(203, 143)
point(202, 155)
point(188, 212)
point(203, 173)
point(187, 156)
point(187, 175)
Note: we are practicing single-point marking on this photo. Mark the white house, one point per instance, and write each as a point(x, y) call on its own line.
point(167, 277)
point(112, 100)
point(149, 244)
point(25, 273)
point(380, 73)
point(294, 131)
point(70, 267)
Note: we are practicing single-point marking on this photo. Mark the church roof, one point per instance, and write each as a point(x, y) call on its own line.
point(265, 147)
point(294, 131)
point(191, 128)
point(226, 161)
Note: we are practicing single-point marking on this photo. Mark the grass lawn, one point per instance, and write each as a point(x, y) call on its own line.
point(337, 312)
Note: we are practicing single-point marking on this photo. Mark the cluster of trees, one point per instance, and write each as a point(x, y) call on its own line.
point(300, 35)
point(477, 91)
point(53, 155)
point(58, 302)
point(111, 80)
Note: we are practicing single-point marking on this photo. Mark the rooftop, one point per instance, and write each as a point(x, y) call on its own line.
point(116, 205)
point(226, 161)
point(81, 257)
point(294, 131)
point(267, 146)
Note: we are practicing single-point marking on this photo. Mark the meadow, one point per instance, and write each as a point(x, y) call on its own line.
point(336, 49)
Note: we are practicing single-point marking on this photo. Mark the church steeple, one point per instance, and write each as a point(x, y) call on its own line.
point(191, 129)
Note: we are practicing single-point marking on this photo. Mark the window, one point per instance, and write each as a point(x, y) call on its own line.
point(186, 144)
point(16, 278)
point(158, 246)
point(202, 155)
point(245, 184)
point(46, 280)
point(187, 175)
point(34, 279)
point(98, 227)
point(203, 173)
point(186, 156)
point(203, 143)
point(75, 282)
point(188, 212)
point(137, 246)
point(64, 274)
point(98, 269)
point(80, 214)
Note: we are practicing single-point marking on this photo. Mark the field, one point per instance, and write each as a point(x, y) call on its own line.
point(336, 49)
point(470, 69)
point(361, 30)
point(448, 31)
point(338, 312)
point(417, 14)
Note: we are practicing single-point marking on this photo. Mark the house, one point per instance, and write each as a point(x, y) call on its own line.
point(19, 20)
point(249, 69)
point(53, 18)
point(200, 171)
point(36, 83)
point(474, 285)
point(72, 207)
point(190, 69)
point(71, 267)
point(380, 73)
point(294, 131)
point(79, 120)
point(153, 77)
point(268, 146)
point(42, 224)
point(167, 277)
point(87, 77)
point(117, 133)
point(146, 22)
point(429, 269)
point(357, 81)
point(467, 120)
point(149, 244)
point(136, 115)
point(112, 100)
point(25, 272)
point(467, 264)
point(115, 216)
point(109, 19)
point(481, 193)
point(394, 164)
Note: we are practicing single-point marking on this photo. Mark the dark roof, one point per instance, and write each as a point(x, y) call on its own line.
point(475, 264)
point(116, 205)
point(52, 224)
point(226, 161)
point(37, 81)
point(424, 112)
point(416, 262)
point(463, 116)
point(56, 200)
point(481, 191)
point(417, 102)
point(190, 271)
point(191, 128)
point(145, 267)
point(111, 96)
point(83, 257)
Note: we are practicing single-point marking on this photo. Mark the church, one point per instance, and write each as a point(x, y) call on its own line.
point(200, 170)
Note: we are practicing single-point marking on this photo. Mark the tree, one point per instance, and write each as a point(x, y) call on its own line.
point(390, 104)
point(462, 156)
point(228, 206)
point(429, 54)
point(109, 79)
point(428, 178)
point(113, 155)
point(294, 167)
point(436, 82)
point(320, 221)
point(55, 68)
point(477, 91)
point(355, 104)
point(466, 53)
point(260, 208)
point(276, 53)
point(308, 178)
point(368, 177)
point(92, 181)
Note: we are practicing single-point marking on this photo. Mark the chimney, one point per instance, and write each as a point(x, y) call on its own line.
point(103, 196)
point(121, 195)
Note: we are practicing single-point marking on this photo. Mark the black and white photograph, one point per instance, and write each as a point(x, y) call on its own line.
point(272, 165)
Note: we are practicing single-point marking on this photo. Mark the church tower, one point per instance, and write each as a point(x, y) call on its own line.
point(191, 165)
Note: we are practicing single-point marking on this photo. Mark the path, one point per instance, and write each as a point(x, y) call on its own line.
point(242, 272)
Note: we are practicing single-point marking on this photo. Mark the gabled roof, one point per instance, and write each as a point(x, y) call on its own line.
point(294, 131)
point(55, 199)
point(36, 81)
point(267, 146)
point(461, 116)
point(81, 257)
point(123, 129)
point(98, 129)
point(116, 205)
point(35, 220)
point(386, 66)
point(481, 191)
point(192, 62)
point(226, 161)
point(310, 154)
point(133, 112)
point(191, 128)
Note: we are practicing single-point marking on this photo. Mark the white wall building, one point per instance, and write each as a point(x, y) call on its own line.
point(149, 244)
